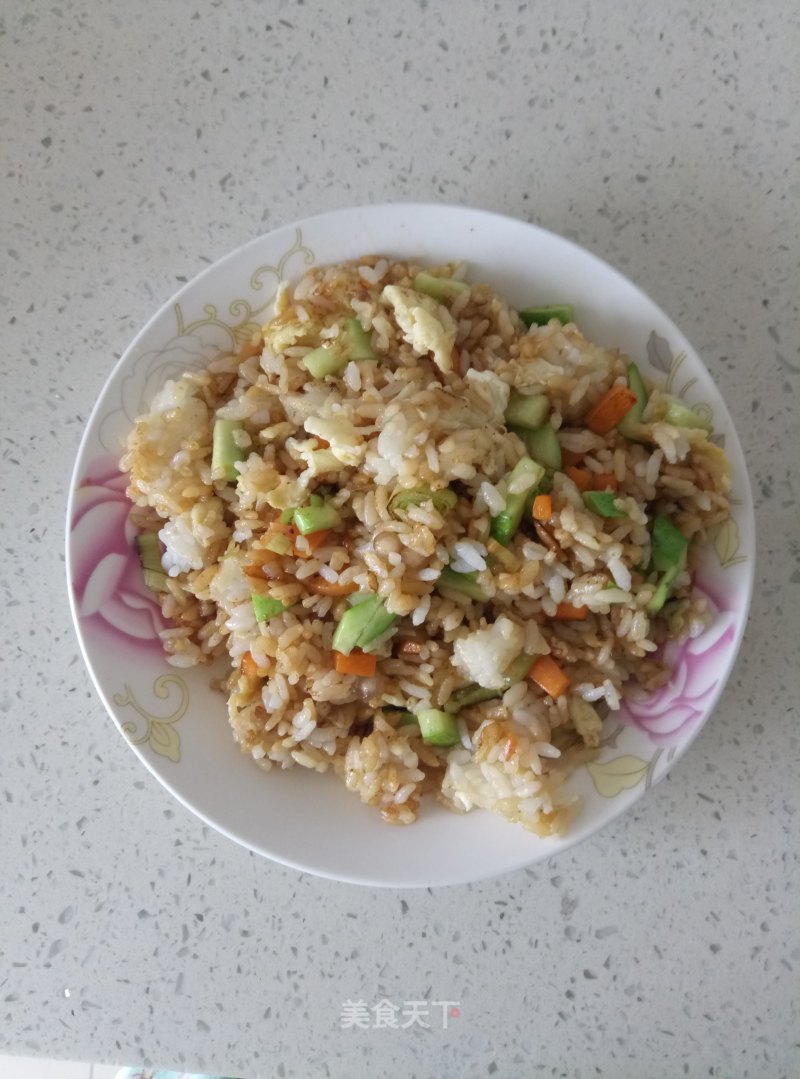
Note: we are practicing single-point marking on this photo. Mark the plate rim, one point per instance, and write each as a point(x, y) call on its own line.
point(614, 807)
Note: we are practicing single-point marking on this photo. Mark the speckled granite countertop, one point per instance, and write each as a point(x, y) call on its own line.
point(141, 142)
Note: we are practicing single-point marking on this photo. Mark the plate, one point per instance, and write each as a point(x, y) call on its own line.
point(177, 725)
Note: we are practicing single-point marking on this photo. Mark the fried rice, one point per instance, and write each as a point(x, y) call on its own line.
point(409, 453)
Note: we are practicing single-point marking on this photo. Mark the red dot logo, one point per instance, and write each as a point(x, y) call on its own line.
point(454, 1013)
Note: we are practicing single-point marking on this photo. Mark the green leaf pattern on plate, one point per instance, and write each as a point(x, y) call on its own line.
point(158, 731)
point(726, 543)
point(196, 344)
point(617, 775)
point(248, 319)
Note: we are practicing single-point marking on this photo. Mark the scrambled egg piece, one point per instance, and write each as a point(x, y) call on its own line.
point(483, 656)
point(488, 394)
point(587, 722)
point(427, 325)
point(346, 443)
point(192, 539)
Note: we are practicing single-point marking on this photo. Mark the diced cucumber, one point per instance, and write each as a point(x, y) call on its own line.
point(438, 728)
point(527, 410)
point(324, 361)
point(466, 696)
point(443, 501)
point(669, 544)
point(544, 447)
point(523, 478)
point(504, 526)
point(633, 417)
point(464, 583)
point(440, 288)
point(603, 503)
point(315, 518)
point(668, 555)
point(361, 625)
point(542, 315)
point(379, 622)
point(352, 624)
point(224, 452)
point(148, 548)
point(518, 669)
point(662, 592)
point(266, 607)
point(359, 342)
point(155, 581)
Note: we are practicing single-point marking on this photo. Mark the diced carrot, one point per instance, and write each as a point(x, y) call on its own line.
point(547, 674)
point(581, 477)
point(321, 587)
point(604, 481)
point(314, 540)
point(358, 662)
point(606, 413)
point(249, 666)
point(565, 612)
point(542, 508)
point(257, 558)
point(571, 457)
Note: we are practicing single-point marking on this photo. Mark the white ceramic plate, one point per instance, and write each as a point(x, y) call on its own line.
point(178, 726)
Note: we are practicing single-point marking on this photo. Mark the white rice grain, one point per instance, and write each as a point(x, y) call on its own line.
point(432, 457)
point(589, 692)
point(620, 573)
point(431, 573)
point(307, 568)
point(611, 695)
point(515, 695)
point(420, 613)
point(404, 793)
point(472, 554)
point(304, 287)
point(411, 689)
point(463, 733)
point(374, 274)
point(489, 498)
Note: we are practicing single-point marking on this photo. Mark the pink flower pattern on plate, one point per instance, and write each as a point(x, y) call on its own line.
point(111, 597)
point(672, 712)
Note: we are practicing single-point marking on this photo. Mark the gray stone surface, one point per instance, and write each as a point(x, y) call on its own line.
point(141, 141)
